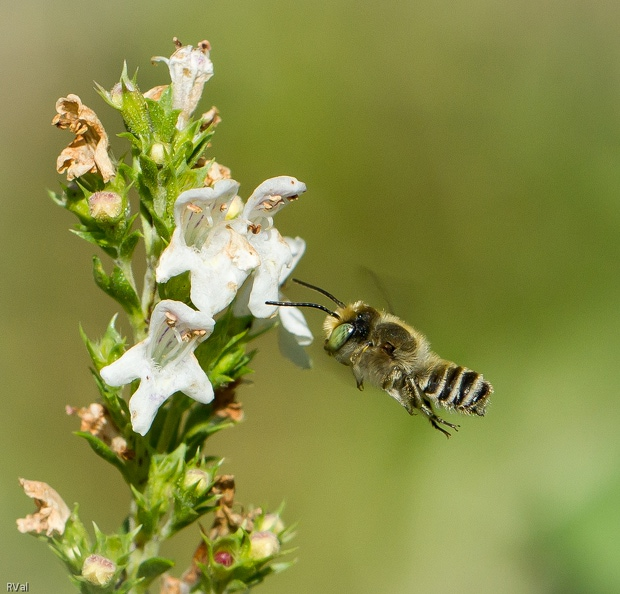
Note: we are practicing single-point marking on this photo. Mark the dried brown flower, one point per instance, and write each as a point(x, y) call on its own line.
point(226, 520)
point(216, 173)
point(224, 404)
point(97, 421)
point(89, 151)
point(210, 118)
point(52, 514)
point(172, 585)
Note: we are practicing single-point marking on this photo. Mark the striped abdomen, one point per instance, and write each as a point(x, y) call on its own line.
point(456, 387)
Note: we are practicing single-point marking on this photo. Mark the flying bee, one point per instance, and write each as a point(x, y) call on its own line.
point(385, 352)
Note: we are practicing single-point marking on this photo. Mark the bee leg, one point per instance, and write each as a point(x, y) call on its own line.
point(357, 371)
point(396, 384)
point(436, 421)
point(423, 404)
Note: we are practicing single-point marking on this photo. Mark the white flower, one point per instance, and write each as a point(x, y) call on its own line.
point(190, 68)
point(294, 333)
point(291, 318)
point(164, 362)
point(275, 253)
point(218, 257)
point(221, 244)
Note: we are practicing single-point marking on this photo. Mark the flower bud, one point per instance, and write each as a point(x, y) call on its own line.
point(223, 558)
point(116, 95)
point(272, 523)
point(158, 153)
point(98, 570)
point(197, 480)
point(105, 207)
point(263, 544)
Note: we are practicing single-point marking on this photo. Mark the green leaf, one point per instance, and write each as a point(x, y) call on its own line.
point(97, 238)
point(128, 245)
point(117, 286)
point(103, 450)
point(153, 567)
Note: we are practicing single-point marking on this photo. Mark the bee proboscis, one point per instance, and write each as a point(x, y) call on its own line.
point(385, 352)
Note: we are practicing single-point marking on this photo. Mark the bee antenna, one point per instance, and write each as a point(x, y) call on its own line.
point(315, 305)
point(319, 290)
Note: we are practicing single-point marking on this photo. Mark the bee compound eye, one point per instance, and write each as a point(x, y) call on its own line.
point(338, 337)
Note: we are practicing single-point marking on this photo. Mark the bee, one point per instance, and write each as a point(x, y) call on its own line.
point(385, 352)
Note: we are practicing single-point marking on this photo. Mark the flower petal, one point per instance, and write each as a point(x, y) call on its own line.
point(164, 361)
point(298, 247)
point(89, 150)
point(190, 68)
point(275, 254)
point(176, 258)
point(270, 196)
point(292, 350)
point(130, 366)
point(294, 322)
point(225, 264)
point(52, 512)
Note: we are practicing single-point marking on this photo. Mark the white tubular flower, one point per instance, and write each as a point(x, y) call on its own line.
point(292, 319)
point(294, 332)
point(190, 68)
point(218, 257)
point(275, 254)
point(164, 362)
point(221, 245)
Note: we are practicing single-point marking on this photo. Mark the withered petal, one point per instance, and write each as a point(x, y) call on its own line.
point(52, 514)
point(89, 151)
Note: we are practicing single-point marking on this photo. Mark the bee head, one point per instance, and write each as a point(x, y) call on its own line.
point(353, 326)
point(346, 324)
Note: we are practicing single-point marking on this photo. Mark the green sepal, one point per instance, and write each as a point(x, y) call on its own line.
point(244, 572)
point(199, 144)
point(133, 107)
point(73, 546)
point(184, 515)
point(148, 513)
point(117, 286)
point(148, 208)
point(163, 117)
point(152, 504)
point(108, 348)
point(148, 177)
point(72, 198)
point(117, 546)
point(236, 586)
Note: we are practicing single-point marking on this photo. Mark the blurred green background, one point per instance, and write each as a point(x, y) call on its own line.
point(466, 151)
